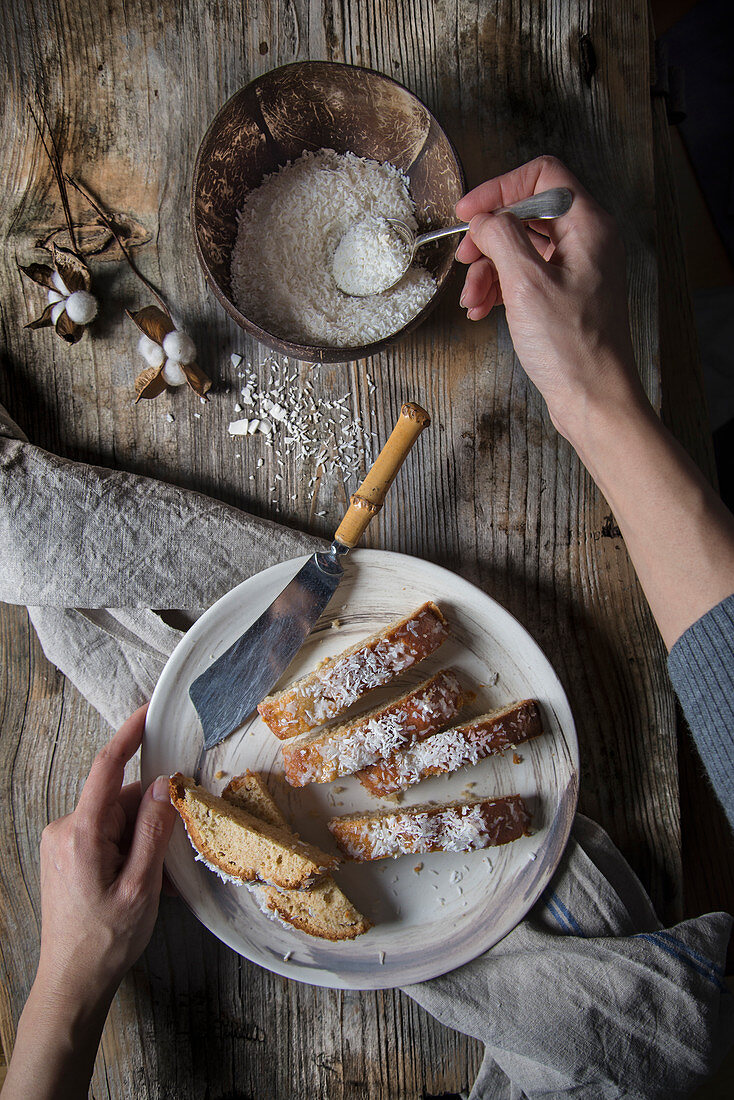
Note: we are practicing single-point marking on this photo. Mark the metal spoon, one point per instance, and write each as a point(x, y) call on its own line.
point(546, 204)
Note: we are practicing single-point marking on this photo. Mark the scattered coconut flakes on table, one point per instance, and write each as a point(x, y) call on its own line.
point(313, 432)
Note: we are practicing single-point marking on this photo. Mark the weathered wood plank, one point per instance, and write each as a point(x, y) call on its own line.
point(492, 491)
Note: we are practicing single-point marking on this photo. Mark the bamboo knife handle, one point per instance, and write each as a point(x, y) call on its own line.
point(367, 501)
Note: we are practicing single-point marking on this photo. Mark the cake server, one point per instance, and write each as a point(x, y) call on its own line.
point(230, 689)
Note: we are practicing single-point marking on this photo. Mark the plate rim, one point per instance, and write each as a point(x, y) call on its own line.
point(327, 978)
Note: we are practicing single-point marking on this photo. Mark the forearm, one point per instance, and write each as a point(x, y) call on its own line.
point(55, 1046)
point(679, 535)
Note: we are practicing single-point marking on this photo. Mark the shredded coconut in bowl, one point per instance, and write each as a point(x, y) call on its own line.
point(289, 229)
point(370, 257)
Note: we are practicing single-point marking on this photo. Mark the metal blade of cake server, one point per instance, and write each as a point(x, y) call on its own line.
point(230, 689)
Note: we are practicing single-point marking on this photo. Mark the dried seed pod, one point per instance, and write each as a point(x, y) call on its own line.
point(159, 333)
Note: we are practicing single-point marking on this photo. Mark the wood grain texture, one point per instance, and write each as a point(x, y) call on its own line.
point(490, 491)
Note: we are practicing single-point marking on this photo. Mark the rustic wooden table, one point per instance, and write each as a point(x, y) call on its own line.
point(492, 491)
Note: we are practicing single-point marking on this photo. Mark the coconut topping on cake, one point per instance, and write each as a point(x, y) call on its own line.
point(342, 680)
point(457, 827)
point(455, 748)
point(346, 749)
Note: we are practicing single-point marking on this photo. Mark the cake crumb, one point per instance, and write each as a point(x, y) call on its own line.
point(339, 790)
point(418, 868)
point(516, 758)
point(336, 624)
point(382, 958)
point(220, 774)
point(287, 956)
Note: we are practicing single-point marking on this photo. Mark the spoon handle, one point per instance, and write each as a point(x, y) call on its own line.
point(437, 234)
point(546, 204)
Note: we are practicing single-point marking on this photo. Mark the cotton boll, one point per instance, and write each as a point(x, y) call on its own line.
point(173, 374)
point(179, 346)
point(57, 311)
point(81, 307)
point(59, 283)
point(54, 297)
point(153, 353)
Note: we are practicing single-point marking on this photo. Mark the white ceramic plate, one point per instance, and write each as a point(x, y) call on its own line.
point(430, 913)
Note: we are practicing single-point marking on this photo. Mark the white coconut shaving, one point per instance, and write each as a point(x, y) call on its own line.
point(289, 229)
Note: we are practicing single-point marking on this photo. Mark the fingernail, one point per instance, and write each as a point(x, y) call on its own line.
point(470, 314)
point(462, 299)
point(161, 789)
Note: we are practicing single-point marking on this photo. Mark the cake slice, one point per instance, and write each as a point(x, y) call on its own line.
point(343, 750)
point(241, 848)
point(340, 681)
point(323, 910)
point(249, 792)
point(456, 827)
point(454, 748)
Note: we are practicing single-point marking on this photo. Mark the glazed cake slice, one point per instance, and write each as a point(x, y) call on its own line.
point(242, 848)
point(456, 827)
point(340, 681)
point(343, 750)
point(323, 910)
point(454, 748)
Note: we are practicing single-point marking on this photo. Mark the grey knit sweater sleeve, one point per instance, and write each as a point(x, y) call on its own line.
point(701, 666)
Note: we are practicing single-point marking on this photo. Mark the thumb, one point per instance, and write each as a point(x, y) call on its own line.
point(153, 828)
point(503, 238)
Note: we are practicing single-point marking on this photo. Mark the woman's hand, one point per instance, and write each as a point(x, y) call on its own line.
point(101, 874)
point(563, 286)
point(566, 303)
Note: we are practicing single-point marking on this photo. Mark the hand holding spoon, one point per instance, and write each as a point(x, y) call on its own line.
point(374, 255)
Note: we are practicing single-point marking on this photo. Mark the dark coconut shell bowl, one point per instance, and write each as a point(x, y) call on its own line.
point(315, 105)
